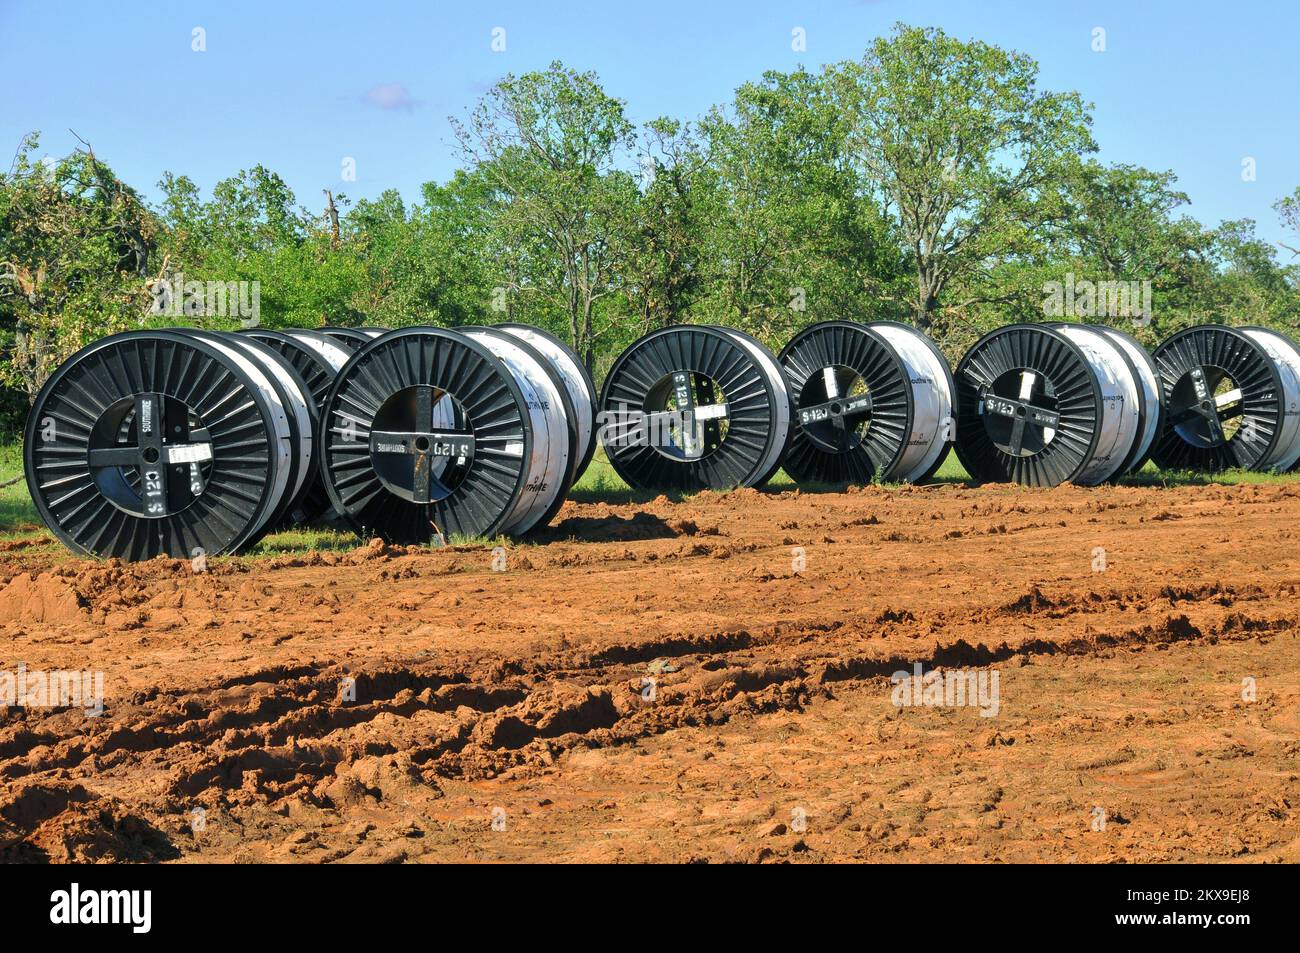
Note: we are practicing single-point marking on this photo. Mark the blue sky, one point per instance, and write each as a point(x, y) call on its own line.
point(1190, 86)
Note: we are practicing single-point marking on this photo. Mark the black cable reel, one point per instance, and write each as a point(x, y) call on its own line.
point(1232, 400)
point(695, 407)
point(874, 401)
point(429, 434)
point(185, 441)
point(1030, 405)
point(151, 443)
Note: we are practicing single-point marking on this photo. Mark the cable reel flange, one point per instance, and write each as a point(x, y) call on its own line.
point(1286, 356)
point(1224, 401)
point(784, 418)
point(1028, 405)
point(150, 443)
point(351, 338)
point(426, 432)
point(689, 408)
point(853, 404)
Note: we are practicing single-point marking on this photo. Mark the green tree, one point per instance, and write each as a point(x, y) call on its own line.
point(795, 235)
point(961, 145)
point(549, 143)
point(1250, 286)
point(1288, 211)
point(75, 246)
point(1126, 223)
point(429, 264)
point(661, 241)
point(253, 230)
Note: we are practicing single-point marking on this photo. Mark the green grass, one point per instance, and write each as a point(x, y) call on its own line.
point(1149, 475)
point(302, 539)
point(951, 471)
point(17, 515)
point(600, 484)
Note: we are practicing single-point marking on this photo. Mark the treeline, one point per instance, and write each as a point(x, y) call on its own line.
point(932, 181)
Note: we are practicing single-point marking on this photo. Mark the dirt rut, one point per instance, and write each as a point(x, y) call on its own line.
point(394, 704)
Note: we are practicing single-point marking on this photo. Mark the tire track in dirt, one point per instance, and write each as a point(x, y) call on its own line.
point(574, 661)
point(279, 721)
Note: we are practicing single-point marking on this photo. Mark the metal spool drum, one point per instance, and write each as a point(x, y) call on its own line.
point(785, 424)
point(300, 411)
point(559, 446)
point(853, 404)
point(317, 359)
point(153, 443)
point(933, 402)
point(1153, 407)
point(577, 381)
point(426, 431)
point(1124, 422)
point(1225, 402)
point(1030, 408)
point(690, 408)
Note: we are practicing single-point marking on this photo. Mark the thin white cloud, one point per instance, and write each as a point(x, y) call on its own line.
point(390, 96)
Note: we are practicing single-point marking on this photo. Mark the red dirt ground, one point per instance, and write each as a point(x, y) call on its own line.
point(506, 715)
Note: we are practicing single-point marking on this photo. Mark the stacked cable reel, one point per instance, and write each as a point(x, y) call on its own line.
point(696, 407)
point(317, 357)
point(186, 441)
point(1232, 399)
point(1045, 404)
point(175, 442)
point(352, 338)
point(873, 401)
point(433, 433)
point(577, 382)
